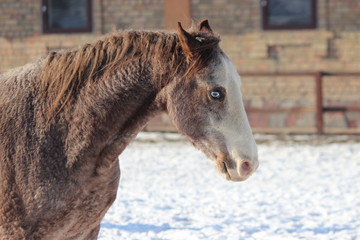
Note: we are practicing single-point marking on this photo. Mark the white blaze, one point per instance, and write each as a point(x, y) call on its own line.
point(234, 125)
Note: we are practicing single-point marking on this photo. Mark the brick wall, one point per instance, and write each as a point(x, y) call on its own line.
point(297, 51)
point(22, 40)
point(341, 91)
point(281, 103)
point(343, 15)
point(133, 14)
point(229, 16)
point(234, 17)
point(19, 19)
point(17, 52)
point(333, 46)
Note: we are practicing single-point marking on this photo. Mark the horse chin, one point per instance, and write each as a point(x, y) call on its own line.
point(223, 170)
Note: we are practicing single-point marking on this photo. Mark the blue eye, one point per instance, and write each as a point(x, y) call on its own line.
point(217, 94)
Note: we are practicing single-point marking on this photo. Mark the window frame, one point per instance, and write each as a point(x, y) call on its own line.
point(268, 26)
point(45, 20)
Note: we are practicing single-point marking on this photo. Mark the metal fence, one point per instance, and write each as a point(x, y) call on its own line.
point(320, 109)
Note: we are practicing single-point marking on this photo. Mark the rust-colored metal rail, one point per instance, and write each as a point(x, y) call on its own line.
point(318, 78)
point(319, 115)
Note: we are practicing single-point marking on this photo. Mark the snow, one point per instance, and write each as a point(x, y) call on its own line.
point(303, 189)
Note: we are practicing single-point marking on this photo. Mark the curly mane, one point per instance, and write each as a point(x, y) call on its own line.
point(65, 72)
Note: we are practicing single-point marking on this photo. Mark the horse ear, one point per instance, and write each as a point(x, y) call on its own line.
point(188, 42)
point(204, 26)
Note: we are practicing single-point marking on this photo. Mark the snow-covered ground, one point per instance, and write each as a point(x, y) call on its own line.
point(302, 190)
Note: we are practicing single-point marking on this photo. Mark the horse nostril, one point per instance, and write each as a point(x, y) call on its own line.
point(246, 167)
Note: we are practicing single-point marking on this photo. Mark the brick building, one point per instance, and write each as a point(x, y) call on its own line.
point(265, 37)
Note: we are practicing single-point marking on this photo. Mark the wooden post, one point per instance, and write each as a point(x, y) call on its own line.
point(177, 11)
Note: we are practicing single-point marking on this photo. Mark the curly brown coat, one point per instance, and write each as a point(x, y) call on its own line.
point(65, 119)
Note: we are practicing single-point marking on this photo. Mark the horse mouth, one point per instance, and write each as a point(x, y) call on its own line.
point(225, 171)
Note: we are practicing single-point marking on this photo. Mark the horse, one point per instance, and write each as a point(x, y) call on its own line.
point(66, 118)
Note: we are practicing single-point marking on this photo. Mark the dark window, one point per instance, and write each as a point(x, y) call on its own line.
point(289, 14)
point(66, 16)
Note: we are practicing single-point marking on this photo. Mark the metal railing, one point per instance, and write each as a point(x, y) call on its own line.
point(320, 109)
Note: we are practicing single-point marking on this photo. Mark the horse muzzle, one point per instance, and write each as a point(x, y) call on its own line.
point(237, 170)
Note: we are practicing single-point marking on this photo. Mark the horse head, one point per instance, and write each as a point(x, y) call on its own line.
point(206, 105)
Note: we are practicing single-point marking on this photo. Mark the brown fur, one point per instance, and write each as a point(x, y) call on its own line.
point(65, 119)
point(94, 62)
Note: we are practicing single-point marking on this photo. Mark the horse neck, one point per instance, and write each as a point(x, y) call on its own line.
point(110, 113)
